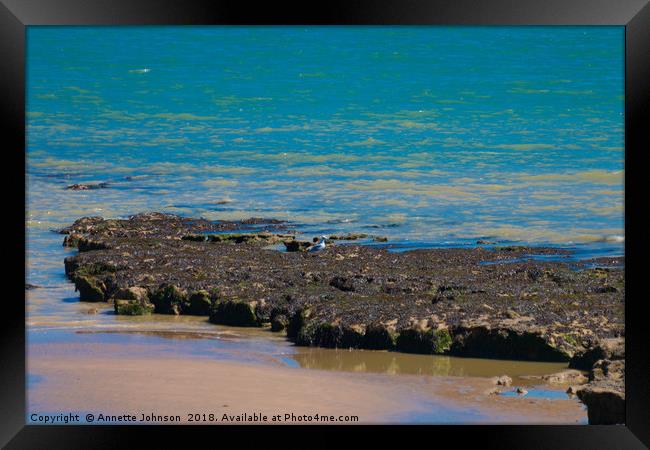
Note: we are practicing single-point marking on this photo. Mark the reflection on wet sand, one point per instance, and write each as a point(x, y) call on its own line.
point(432, 365)
point(258, 347)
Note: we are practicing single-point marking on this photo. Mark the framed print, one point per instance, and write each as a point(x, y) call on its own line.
point(364, 215)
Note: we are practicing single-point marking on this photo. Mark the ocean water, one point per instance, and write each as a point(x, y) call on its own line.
point(439, 135)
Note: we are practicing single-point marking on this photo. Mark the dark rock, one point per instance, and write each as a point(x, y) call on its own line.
point(605, 349)
point(484, 342)
point(413, 340)
point(605, 406)
point(90, 288)
point(87, 186)
point(200, 303)
point(379, 336)
point(342, 283)
point(234, 312)
point(606, 289)
point(279, 322)
point(71, 240)
point(604, 395)
point(296, 246)
point(347, 237)
point(297, 322)
point(169, 299)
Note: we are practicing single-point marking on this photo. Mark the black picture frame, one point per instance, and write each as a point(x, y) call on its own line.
point(15, 15)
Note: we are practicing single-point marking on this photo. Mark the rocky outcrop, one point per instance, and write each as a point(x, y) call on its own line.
point(235, 313)
point(87, 186)
point(505, 343)
point(200, 303)
point(380, 336)
point(423, 340)
point(132, 301)
point(433, 301)
point(566, 377)
point(604, 395)
point(613, 348)
point(296, 246)
point(605, 406)
point(503, 380)
point(91, 289)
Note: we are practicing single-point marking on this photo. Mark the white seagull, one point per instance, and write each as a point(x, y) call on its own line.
point(319, 246)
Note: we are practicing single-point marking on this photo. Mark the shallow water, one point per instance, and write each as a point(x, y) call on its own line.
point(394, 363)
point(430, 136)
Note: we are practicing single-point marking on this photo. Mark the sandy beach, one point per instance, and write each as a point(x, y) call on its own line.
point(101, 379)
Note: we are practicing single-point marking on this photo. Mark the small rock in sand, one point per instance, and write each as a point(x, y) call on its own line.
point(503, 380)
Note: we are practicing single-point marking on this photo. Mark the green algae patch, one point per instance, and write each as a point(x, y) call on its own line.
point(441, 341)
point(412, 340)
point(132, 308)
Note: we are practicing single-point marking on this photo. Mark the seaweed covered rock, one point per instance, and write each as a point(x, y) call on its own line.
point(427, 341)
point(200, 303)
point(604, 349)
point(90, 288)
point(297, 322)
point(505, 343)
point(279, 318)
point(132, 307)
point(169, 299)
point(380, 336)
point(331, 335)
point(87, 186)
point(234, 312)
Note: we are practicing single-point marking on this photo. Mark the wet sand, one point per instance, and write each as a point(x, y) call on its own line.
point(99, 380)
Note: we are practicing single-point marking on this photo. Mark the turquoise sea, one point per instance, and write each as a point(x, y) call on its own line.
point(438, 135)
